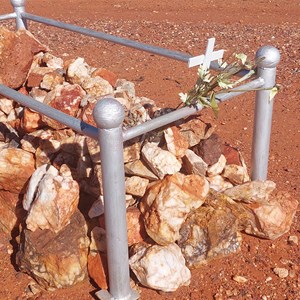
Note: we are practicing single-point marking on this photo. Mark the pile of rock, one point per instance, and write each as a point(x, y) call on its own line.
point(189, 196)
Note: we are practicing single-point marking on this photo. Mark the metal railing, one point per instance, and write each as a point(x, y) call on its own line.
point(109, 116)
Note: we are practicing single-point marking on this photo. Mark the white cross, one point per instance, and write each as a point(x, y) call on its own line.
point(210, 55)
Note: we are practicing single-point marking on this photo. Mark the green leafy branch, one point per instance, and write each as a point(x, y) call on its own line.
point(209, 85)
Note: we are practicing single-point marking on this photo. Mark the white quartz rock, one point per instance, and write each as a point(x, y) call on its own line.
point(52, 199)
point(218, 183)
point(167, 203)
point(218, 167)
point(35, 179)
point(160, 161)
point(160, 267)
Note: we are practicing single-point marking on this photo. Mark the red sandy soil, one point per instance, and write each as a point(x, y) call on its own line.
point(239, 26)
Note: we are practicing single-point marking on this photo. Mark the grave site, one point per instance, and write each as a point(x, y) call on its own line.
point(128, 174)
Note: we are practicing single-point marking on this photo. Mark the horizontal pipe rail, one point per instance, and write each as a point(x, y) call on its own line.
point(50, 112)
point(160, 122)
point(185, 112)
point(114, 39)
point(8, 16)
point(249, 86)
point(110, 38)
point(121, 41)
point(91, 131)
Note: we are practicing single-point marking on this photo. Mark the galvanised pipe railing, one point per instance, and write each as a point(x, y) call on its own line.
point(8, 16)
point(44, 109)
point(109, 115)
point(186, 111)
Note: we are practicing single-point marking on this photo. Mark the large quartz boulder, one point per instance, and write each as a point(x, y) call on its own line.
point(167, 203)
point(272, 218)
point(51, 199)
point(252, 191)
point(160, 267)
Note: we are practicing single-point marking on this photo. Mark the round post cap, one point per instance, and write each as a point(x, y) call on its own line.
point(267, 57)
point(18, 3)
point(108, 113)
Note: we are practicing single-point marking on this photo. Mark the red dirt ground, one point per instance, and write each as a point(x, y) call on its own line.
point(185, 26)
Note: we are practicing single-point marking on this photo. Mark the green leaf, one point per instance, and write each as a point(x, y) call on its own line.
point(242, 57)
point(214, 104)
point(273, 92)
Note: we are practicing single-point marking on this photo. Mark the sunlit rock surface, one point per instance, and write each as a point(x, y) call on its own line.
point(160, 267)
point(16, 167)
point(51, 199)
point(160, 161)
point(168, 202)
point(56, 260)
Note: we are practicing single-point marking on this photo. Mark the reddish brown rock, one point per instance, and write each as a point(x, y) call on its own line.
point(108, 75)
point(11, 211)
point(65, 98)
point(16, 167)
point(97, 269)
point(17, 51)
point(209, 149)
point(135, 225)
point(36, 75)
point(31, 121)
point(232, 155)
point(87, 112)
point(56, 260)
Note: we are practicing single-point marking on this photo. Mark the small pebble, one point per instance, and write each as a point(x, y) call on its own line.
point(268, 279)
point(293, 239)
point(239, 279)
point(281, 272)
point(292, 273)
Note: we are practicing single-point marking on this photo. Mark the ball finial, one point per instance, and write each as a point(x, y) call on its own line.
point(18, 3)
point(267, 57)
point(108, 113)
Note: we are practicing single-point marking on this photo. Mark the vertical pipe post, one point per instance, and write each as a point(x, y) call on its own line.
point(109, 115)
point(267, 59)
point(19, 8)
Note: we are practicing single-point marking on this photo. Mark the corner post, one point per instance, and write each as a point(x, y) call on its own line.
point(109, 115)
point(267, 59)
point(19, 8)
